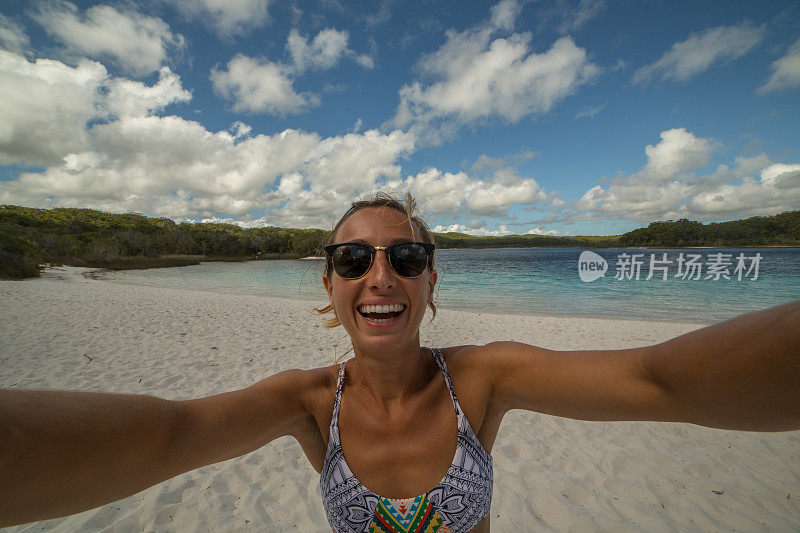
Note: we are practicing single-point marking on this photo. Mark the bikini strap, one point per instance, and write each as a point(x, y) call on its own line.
point(337, 400)
point(439, 358)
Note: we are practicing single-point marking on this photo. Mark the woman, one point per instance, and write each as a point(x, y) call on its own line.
point(380, 427)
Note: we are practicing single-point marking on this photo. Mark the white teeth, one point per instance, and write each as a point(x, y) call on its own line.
point(393, 308)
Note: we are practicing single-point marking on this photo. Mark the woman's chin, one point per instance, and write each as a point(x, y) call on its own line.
point(385, 342)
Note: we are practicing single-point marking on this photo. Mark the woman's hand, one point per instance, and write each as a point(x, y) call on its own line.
point(63, 452)
point(740, 374)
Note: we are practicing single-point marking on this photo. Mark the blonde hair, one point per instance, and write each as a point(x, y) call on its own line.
point(407, 206)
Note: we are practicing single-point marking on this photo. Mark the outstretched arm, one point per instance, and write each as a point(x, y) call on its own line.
point(740, 374)
point(64, 452)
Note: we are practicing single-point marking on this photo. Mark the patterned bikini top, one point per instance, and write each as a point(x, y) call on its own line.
point(458, 503)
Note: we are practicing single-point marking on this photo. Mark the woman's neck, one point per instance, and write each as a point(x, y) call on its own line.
point(391, 378)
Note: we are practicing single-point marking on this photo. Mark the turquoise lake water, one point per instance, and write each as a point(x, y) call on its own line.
point(542, 281)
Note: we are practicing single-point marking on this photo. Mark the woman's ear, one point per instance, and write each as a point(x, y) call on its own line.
point(432, 284)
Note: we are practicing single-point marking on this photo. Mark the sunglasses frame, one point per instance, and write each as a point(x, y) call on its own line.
point(428, 246)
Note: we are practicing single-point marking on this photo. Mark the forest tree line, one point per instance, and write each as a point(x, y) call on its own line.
point(782, 229)
point(30, 237)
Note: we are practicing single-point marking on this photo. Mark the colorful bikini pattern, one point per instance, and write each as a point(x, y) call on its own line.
point(409, 515)
point(458, 503)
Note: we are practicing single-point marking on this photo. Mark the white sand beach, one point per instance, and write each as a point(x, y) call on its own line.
point(551, 474)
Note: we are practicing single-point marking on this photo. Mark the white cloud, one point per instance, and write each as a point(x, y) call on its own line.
point(539, 230)
point(495, 198)
point(12, 36)
point(785, 71)
point(261, 86)
point(470, 230)
point(228, 220)
point(660, 187)
point(291, 184)
point(240, 129)
point(504, 14)
point(169, 166)
point(355, 162)
point(590, 111)
point(138, 43)
point(382, 16)
point(437, 192)
point(477, 77)
point(324, 51)
point(258, 86)
point(776, 189)
point(226, 17)
point(46, 105)
point(669, 187)
point(747, 166)
point(447, 193)
point(507, 163)
point(163, 155)
point(678, 151)
point(494, 187)
point(582, 14)
point(701, 50)
point(129, 98)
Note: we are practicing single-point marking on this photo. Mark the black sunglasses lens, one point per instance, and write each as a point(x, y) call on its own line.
point(409, 260)
point(351, 260)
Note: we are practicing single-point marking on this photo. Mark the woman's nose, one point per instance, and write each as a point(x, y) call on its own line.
point(381, 275)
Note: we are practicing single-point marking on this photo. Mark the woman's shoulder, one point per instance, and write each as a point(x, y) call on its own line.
point(316, 380)
point(469, 367)
point(468, 355)
point(308, 386)
point(466, 362)
point(457, 354)
point(485, 361)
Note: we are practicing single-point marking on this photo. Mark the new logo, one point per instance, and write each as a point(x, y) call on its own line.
point(591, 266)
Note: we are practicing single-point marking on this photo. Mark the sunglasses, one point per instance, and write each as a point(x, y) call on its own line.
point(353, 260)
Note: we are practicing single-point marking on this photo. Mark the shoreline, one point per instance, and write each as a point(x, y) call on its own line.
point(95, 274)
point(70, 332)
point(99, 274)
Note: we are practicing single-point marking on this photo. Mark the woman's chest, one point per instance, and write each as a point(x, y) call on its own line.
point(403, 453)
point(418, 440)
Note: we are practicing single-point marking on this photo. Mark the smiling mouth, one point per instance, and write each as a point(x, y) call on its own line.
point(381, 313)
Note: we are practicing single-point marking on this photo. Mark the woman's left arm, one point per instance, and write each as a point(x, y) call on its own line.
point(740, 374)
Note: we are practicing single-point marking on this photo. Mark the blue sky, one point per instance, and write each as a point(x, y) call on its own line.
point(553, 117)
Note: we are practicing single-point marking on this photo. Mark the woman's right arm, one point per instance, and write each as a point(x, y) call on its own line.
point(64, 452)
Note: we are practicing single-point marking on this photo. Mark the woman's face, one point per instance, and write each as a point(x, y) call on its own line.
point(380, 286)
